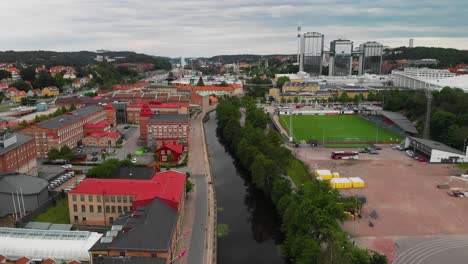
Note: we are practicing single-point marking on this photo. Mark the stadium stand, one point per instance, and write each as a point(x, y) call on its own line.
point(392, 121)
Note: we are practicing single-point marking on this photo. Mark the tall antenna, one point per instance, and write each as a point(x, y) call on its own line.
point(427, 123)
point(298, 43)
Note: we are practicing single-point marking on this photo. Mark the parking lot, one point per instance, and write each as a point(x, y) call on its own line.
point(401, 190)
point(67, 182)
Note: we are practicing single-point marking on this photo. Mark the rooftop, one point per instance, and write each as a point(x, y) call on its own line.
point(400, 120)
point(168, 186)
point(42, 244)
point(169, 118)
point(105, 134)
point(10, 182)
point(20, 140)
point(437, 145)
point(70, 118)
point(127, 260)
point(151, 230)
point(174, 147)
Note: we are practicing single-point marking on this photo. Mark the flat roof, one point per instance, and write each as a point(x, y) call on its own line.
point(20, 140)
point(10, 182)
point(400, 120)
point(437, 145)
point(169, 118)
point(136, 173)
point(127, 260)
point(70, 118)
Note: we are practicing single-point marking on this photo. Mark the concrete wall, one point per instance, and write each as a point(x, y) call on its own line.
point(437, 156)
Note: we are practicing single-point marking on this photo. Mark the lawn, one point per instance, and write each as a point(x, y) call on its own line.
point(297, 171)
point(336, 128)
point(57, 214)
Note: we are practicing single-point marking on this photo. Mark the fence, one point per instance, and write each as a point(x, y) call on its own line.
point(54, 198)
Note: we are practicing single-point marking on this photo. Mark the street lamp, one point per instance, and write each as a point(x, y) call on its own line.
point(464, 146)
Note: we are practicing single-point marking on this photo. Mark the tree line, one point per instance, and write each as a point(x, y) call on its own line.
point(449, 113)
point(310, 212)
point(446, 57)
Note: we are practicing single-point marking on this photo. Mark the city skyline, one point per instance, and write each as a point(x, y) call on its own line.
point(208, 28)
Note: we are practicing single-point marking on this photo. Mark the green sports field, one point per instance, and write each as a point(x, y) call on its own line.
point(337, 128)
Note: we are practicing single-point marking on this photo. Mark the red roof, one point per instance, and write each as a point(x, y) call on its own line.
point(177, 148)
point(3, 85)
point(13, 70)
point(22, 260)
point(101, 124)
point(105, 134)
point(168, 186)
point(159, 105)
point(13, 89)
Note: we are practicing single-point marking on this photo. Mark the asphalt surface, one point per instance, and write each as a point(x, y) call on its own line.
point(198, 240)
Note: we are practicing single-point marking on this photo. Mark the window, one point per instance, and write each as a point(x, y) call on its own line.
point(119, 199)
point(74, 197)
point(107, 209)
point(82, 198)
point(163, 152)
point(90, 198)
point(91, 209)
point(98, 198)
point(130, 199)
point(122, 254)
point(83, 208)
point(84, 219)
point(75, 218)
point(112, 199)
point(99, 209)
point(111, 219)
point(124, 198)
point(113, 209)
point(75, 208)
point(125, 209)
point(106, 198)
point(119, 209)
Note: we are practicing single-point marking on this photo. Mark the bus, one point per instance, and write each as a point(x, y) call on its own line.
point(345, 155)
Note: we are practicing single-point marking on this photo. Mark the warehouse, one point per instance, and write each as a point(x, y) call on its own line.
point(434, 151)
point(28, 192)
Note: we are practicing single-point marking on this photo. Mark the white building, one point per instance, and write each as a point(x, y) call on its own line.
point(434, 151)
point(425, 78)
point(39, 244)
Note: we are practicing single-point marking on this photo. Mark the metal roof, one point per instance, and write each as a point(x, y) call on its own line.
point(70, 118)
point(437, 145)
point(127, 260)
point(169, 118)
point(20, 140)
point(138, 173)
point(10, 182)
point(400, 120)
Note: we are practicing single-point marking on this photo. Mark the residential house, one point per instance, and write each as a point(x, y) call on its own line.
point(170, 153)
point(50, 91)
point(34, 92)
point(16, 95)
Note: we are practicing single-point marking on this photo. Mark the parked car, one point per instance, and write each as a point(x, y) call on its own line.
point(416, 157)
point(81, 146)
point(362, 151)
point(94, 159)
point(103, 150)
point(67, 166)
point(94, 153)
point(373, 151)
point(134, 160)
point(422, 159)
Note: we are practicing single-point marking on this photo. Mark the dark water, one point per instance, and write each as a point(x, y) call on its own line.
point(254, 228)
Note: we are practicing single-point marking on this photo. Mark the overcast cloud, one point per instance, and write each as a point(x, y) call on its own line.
point(212, 27)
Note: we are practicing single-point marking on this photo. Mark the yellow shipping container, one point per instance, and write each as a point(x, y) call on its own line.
point(324, 174)
point(357, 182)
point(341, 183)
point(336, 175)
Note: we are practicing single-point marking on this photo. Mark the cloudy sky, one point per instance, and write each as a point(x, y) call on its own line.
point(212, 27)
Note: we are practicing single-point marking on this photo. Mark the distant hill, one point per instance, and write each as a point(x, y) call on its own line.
point(79, 58)
point(447, 57)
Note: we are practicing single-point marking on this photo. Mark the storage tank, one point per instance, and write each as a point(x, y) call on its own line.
point(40, 107)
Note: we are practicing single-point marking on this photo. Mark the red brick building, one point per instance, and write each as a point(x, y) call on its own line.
point(67, 129)
point(133, 110)
point(157, 130)
point(17, 152)
point(101, 139)
point(167, 151)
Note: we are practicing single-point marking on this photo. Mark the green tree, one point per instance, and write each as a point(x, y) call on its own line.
point(66, 153)
point(200, 82)
point(72, 107)
point(59, 81)
point(283, 100)
point(296, 100)
point(440, 124)
point(343, 97)
point(28, 74)
point(21, 85)
point(53, 154)
point(4, 74)
point(281, 81)
point(44, 80)
point(129, 156)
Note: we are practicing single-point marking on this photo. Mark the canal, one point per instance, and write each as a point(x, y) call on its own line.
point(253, 227)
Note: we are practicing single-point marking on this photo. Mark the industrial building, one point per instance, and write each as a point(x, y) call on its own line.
point(157, 130)
point(434, 151)
point(17, 152)
point(311, 53)
point(21, 193)
point(425, 78)
point(340, 58)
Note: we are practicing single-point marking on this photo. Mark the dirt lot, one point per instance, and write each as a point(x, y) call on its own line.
point(401, 190)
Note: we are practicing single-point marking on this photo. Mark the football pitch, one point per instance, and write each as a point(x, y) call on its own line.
point(336, 128)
